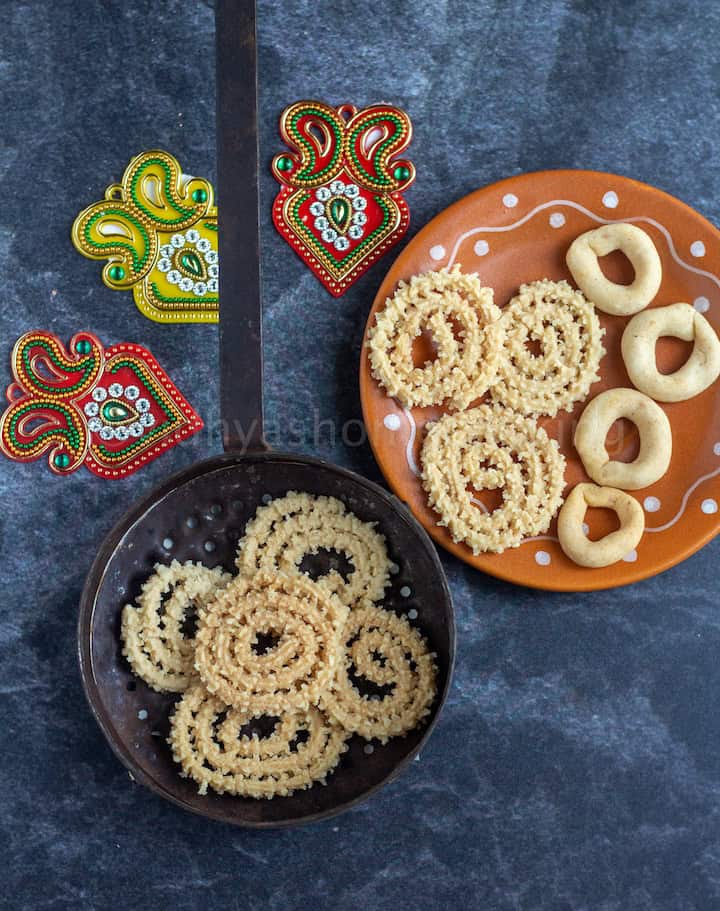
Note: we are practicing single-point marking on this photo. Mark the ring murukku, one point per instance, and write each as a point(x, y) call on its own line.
point(582, 260)
point(157, 638)
point(213, 745)
point(565, 326)
point(268, 643)
point(289, 528)
point(464, 323)
point(682, 321)
point(492, 448)
point(599, 415)
point(385, 651)
point(611, 548)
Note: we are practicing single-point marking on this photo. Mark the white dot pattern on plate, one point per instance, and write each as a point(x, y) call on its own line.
point(405, 591)
point(610, 199)
point(168, 543)
point(709, 506)
point(510, 200)
point(557, 220)
point(391, 421)
point(412, 614)
point(697, 248)
point(651, 504)
point(585, 528)
point(542, 558)
point(716, 449)
point(630, 557)
point(481, 248)
point(437, 252)
point(142, 714)
point(701, 304)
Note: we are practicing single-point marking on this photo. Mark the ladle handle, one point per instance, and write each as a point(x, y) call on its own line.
point(241, 358)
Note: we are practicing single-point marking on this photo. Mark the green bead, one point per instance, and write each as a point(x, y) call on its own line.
point(62, 460)
point(191, 262)
point(340, 213)
point(116, 273)
point(284, 163)
point(83, 346)
point(115, 412)
point(199, 195)
point(401, 172)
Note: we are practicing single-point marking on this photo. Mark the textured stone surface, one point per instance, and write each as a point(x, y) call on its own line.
point(577, 765)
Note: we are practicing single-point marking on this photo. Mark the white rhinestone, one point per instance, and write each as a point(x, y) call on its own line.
point(121, 433)
point(177, 240)
point(321, 223)
point(106, 433)
point(214, 270)
point(185, 284)
point(200, 288)
point(131, 392)
point(322, 193)
point(212, 285)
point(351, 190)
point(359, 203)
point(211, 257)
point(329, 235)
point(167, 250)
point(94, 425)
point(91, 409)
point(341, 243)
point(355, 232)
point(359, 218)
point(164, 265)
point(337, 187)
point(142, 405)
point(174, 276)
point(317, 208)
point(147, 419)
point(116, 390)
point(193, 236)
point(136, 429)
point(203, 245)
point(99, 394)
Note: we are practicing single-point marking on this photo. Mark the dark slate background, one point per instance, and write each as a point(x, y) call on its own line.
point(577, 765)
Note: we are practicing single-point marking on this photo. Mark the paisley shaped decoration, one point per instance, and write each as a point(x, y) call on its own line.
point(340, 205)
point(157, 229)
point(112, 409)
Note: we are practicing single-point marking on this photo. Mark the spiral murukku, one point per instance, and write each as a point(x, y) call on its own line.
point(289, 528)
point(157, 638)
point(466, 330)
point(492, 448)
point(269, 643)
point(215, 746)
point(383, 650)
point(565, 327)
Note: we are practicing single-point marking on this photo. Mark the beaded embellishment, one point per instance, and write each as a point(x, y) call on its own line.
point(340, 205)
point(112, 410)
point(158, 230)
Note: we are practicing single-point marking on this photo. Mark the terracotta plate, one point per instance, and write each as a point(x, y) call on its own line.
point(518, 231)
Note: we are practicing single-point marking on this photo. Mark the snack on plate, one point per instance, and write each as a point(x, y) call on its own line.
point(157, 639)
point(582, 259)
point(611, 548)
point(492, 448)
point(682, 321)
point(269, 643)
point(653, 426)
point(383, 650)
point(459, 314)
point(215, 746)
point(286, 530)
point(565, 326)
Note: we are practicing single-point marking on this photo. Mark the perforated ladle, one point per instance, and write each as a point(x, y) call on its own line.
point(200, 513)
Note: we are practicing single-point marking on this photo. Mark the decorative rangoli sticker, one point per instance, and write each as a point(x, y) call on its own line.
point(340, 206)
point(113, 410)
point(158, 231)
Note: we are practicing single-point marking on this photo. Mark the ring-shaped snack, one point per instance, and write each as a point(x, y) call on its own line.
point(682, 321)
point(653, 426)
point(582, 259)
point(614, 546)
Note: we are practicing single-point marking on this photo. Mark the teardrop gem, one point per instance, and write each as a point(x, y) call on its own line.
point(115, 412)
point(191, 263)
point(340, 212)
